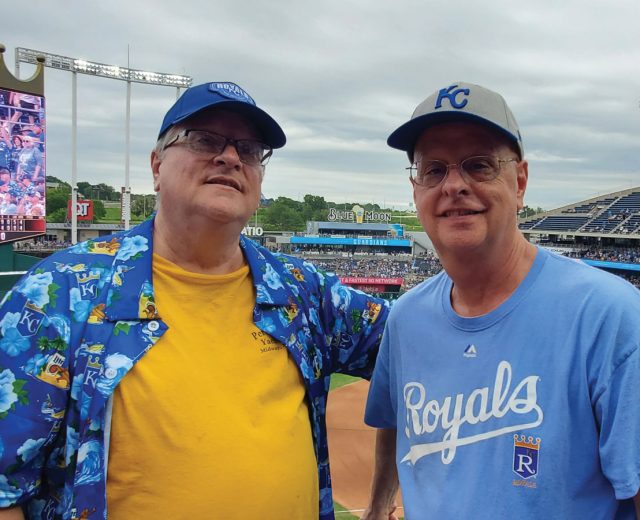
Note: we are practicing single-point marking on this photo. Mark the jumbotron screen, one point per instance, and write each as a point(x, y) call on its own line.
point(22, 165)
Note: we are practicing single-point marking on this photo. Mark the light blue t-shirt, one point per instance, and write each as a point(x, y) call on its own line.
point(531, 411)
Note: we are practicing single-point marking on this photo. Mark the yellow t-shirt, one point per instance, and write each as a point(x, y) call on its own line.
point(212, 422)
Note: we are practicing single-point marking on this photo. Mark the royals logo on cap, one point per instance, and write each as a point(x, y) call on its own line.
point(456, 97)
point(231, 91)
point(228, 96)
point(458, 102)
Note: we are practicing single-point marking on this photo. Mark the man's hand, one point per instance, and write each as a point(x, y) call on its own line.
point(384, 486)
point(370, 514)
point(13, 513)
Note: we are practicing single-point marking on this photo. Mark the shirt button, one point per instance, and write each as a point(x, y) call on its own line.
point(153, 326)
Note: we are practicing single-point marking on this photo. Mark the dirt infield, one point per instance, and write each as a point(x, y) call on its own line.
point(351, 447)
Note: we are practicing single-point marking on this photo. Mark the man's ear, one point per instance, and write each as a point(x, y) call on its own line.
point(156, 161)
point(522, 179)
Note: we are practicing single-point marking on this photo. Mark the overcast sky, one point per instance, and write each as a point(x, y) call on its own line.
point(340, 75)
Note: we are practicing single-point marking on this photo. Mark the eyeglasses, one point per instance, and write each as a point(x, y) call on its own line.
point(249, 151)
point(482, 168)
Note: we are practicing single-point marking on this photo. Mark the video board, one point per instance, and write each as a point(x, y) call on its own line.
point(22, 165)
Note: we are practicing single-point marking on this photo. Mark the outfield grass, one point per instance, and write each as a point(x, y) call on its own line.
point(338, 380)
point(341, 513)
point(112, 214)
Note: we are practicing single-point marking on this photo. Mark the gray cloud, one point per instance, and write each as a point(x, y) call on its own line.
point(341, 75)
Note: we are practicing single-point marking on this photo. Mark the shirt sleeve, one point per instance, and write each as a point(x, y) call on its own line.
point(355, 322)
point(32, 388)
point(618, 412)
point(380, 411)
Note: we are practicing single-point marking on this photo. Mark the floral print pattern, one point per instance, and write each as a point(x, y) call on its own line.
point(73, 326)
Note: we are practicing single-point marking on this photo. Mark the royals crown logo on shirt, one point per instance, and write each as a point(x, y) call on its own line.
point(526, 456)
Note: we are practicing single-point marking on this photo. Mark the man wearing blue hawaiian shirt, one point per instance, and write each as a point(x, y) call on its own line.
point(177, 369)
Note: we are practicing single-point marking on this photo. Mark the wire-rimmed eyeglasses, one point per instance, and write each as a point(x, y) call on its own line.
point(480, 168)
point(249, 151)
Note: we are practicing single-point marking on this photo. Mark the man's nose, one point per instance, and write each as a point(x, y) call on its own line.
point(454, 181)
point(229, 156)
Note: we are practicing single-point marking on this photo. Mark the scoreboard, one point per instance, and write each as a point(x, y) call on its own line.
point(22, 165)
point(17, 227)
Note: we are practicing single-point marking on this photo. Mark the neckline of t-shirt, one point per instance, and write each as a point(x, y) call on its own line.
point(487, 320)
point(165, 266)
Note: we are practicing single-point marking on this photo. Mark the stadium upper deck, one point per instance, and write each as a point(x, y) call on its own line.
point(608, 219)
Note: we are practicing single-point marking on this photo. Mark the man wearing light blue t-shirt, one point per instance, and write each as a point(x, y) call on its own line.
point(521, 396)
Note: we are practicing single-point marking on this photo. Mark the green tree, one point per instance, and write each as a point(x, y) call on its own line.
point(106, 192)
point(57, 199)
point(284, 214)
point(98, 210)
point(85, 189)
point(58, 215)
point(528, 211)
point(51, 178)
point(142, 205)
point(315, 207)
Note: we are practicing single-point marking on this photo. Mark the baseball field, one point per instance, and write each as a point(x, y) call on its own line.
point(351, 447)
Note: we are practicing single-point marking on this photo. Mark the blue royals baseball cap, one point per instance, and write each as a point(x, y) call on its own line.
point(229, 96)
point(458, 102)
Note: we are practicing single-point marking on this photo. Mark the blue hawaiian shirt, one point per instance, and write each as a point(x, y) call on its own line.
point(75, 324)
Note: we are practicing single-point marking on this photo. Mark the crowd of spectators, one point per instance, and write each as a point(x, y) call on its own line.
point(632, 278)
point(416, 269)
point(40, 245)
point(306, 249)
point(413, 270)
point(369, 267)
point(626, 255)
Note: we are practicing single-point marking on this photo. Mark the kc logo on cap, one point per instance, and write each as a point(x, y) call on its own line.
point(231, 91)
point(459, 101)
point(452, 95)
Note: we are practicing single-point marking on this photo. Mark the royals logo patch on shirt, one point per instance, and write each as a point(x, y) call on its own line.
point(30, 320)
point(526, 453)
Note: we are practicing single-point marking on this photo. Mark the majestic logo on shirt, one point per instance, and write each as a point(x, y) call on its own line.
point(525, 456)
point(501, 405)
point(470, 351)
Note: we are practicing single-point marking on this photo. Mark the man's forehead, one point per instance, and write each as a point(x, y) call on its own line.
point(460, 135)
point(220, 118)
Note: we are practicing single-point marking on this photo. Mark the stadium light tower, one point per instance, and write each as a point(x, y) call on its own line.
point(79, 66)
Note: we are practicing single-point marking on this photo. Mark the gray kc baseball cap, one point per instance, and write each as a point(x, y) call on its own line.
point(458, 102)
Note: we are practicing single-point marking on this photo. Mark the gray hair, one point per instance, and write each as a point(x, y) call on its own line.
point(169, 136)
point(162, 142)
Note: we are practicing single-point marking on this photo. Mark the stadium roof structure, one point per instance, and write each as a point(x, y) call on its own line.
point(615, 215)
point(353, 226)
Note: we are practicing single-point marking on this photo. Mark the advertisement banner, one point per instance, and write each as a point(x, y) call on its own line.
point(84, 210)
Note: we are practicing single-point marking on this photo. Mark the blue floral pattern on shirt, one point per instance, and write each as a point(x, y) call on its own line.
point(75, 324)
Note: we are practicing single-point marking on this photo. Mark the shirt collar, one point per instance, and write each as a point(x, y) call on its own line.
point(129, 295)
